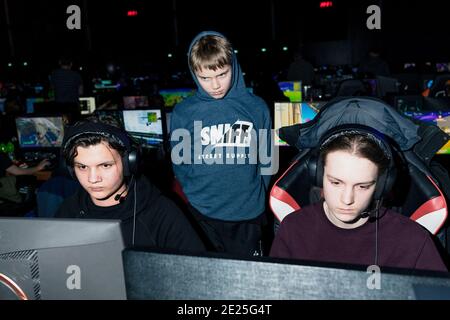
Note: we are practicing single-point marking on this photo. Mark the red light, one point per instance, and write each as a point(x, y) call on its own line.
point(132, 13)
point(326, 4)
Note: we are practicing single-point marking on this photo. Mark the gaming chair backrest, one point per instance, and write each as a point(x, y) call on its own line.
point(423, 202)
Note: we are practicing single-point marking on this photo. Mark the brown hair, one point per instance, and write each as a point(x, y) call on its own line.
point(360, 145)
point(210, 52)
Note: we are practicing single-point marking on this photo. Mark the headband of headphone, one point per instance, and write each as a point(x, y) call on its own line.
point(385, 180)
point(95, 128)
point(86, 128)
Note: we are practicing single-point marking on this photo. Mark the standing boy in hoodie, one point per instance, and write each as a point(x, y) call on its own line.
point(101, 157)
point(216, 136)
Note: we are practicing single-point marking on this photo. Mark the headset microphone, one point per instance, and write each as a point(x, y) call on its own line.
point(372, 213)
point(118, 197)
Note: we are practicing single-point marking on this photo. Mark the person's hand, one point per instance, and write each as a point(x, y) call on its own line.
point(20, 164)
point(43, 164)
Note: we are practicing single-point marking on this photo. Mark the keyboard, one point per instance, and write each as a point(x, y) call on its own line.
point(33, 158)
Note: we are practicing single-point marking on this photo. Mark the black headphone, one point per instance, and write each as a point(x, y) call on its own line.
point(130, 158)
point(385, 181)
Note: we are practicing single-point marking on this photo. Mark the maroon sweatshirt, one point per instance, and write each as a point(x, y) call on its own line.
point(402, 243)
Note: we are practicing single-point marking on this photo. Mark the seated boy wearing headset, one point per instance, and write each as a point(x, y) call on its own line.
point(356, 170)
point(101, 156)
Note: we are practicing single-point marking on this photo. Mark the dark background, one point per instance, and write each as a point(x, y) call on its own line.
point(411, 31)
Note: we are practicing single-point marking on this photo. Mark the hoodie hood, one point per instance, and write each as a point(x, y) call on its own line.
point(237, 87)
point(365, 111)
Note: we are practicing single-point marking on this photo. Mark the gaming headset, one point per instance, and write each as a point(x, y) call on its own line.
point(130, 158)
point(385, 181)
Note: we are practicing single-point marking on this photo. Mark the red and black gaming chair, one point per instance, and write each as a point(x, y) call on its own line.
point(415, 193)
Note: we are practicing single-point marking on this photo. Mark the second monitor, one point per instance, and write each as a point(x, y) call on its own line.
point(40, 132)
point(288, 113)
point(145, 125)
point(87, 105)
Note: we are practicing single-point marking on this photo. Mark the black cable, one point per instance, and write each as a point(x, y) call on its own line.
point(134, 213)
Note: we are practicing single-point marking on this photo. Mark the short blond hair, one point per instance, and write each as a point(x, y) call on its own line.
point(210, 52)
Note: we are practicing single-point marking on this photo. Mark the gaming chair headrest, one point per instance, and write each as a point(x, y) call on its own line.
point(130, 158)
point(385, 180)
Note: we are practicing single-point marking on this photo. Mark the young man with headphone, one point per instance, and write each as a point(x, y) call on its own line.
point(355, 169)
point(102, 158)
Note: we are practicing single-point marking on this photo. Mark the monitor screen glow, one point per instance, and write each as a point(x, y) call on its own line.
point(40, 132)
point(145, 125)
point(291, 90)
point(30, 103)
point(87, 105)
point(174, 96)
point(287, 114)
point(443, 67)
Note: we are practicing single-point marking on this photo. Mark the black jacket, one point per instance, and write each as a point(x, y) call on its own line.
point(159, 223)
point(5, 163)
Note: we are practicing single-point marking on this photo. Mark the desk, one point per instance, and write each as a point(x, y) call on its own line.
point(165, 275)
